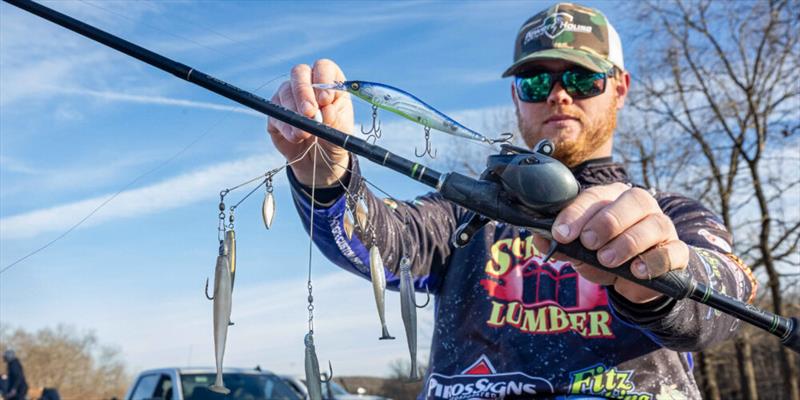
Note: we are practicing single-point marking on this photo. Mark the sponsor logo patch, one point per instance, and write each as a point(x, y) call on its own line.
point(542, 298)
point(554, 25)
point(604, 381)
point(481, 381)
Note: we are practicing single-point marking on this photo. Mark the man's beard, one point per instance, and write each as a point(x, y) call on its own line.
point(589, 139)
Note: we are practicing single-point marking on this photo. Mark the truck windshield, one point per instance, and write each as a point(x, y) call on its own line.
point(242, 387)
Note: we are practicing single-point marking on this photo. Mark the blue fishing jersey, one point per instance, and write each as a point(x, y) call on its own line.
point(509, 325)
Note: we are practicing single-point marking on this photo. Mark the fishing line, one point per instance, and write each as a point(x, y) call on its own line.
point(163, 164)
point(150, 26)
point(404, 251)
point(328, 162)
point(267, 176)
point(271, 172)
point(132, 182)
point(405, 269)
point(195, 24)
point(311, 237)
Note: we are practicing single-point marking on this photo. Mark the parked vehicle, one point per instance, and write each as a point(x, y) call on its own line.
point(192, 384)
point(330, 390)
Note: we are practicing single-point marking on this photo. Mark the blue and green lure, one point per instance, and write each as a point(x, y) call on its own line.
point(409, 106)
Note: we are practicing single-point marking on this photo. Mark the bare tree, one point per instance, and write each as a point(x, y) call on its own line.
point(398, 386)
point(716, 105)
point(74, 363)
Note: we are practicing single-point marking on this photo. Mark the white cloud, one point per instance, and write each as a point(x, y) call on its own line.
point(73, 177)
point(269, 325)
point(156, 100)
point(12, 164)
point(181, 190)
point(400, 136)
point(36, 55)
point(36, 78)
point(311, 45)
point(471, 76)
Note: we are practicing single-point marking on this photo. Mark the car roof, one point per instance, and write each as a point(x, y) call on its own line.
point(205, 370)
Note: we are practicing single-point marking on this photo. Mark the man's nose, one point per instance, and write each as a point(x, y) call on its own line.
point(559, 96)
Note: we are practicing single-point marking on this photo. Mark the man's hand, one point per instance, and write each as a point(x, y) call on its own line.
point(337, 112)
point(621, 223)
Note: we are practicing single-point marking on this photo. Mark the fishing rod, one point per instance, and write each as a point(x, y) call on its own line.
point(520, 187)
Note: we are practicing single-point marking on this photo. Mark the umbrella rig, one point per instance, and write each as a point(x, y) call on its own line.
point(355, 218)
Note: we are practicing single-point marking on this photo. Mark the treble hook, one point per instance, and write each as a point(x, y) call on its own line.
point(207, 296)
point(503, 138)
point(428, 292)
point(373, 133)
point(330, 368)
point(428, 146)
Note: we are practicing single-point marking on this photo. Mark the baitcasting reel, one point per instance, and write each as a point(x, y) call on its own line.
point(531, 180)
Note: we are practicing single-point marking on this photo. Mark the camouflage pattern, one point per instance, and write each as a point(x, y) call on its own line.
point(564, 31)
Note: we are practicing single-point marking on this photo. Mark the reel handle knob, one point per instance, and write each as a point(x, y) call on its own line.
point(467, 230)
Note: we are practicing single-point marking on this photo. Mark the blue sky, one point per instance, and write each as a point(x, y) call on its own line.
point(79, 121)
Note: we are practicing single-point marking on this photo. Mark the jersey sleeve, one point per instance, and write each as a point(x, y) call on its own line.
point(420, 229)
point(686, 325)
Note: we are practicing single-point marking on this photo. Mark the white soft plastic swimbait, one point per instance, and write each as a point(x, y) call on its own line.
point(222, 315)
point(378, 277)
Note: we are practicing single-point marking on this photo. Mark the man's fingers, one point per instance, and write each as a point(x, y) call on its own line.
point(587, 271)
point(292, 134)
point(276, 126)
point(631, 207)
point(326, 71)
point(673, 255)
point(303, 93)
point(653, 230)
point(570, 221)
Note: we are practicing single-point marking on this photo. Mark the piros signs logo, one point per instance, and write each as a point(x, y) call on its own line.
point(542, 298)
point(481, 381)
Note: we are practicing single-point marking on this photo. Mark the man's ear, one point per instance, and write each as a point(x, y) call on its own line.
point(623, 83)
point(514, 95)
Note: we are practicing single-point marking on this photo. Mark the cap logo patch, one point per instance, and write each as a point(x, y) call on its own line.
point(554, 25)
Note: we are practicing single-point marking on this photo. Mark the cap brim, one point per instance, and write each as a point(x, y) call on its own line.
point(579, 57)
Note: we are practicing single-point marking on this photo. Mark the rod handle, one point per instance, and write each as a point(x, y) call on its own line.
point(677, 284)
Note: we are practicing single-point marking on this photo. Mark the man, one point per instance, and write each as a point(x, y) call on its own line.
point(509, 325)
point(17, 386)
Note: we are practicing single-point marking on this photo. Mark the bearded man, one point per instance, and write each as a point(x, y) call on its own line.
point(508, 324)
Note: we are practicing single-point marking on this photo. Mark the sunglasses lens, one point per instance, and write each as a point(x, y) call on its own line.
point(581, 84)
point(534, 88)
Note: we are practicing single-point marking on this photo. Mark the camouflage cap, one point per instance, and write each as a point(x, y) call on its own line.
point(569, 32)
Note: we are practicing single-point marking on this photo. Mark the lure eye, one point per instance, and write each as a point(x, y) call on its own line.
point(354, 85)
